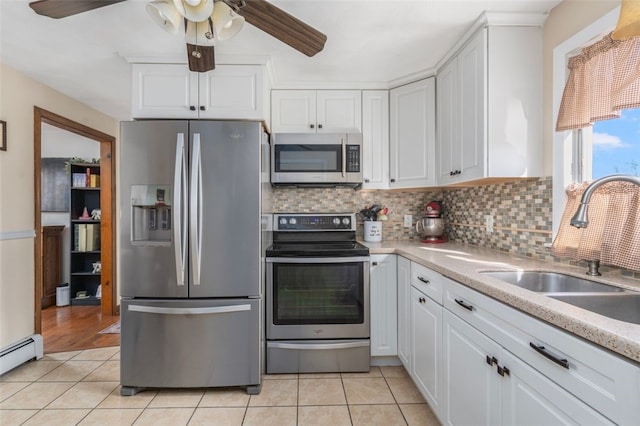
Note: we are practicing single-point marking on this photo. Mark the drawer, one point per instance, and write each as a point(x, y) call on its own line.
point(427, 281)
point(604, 381)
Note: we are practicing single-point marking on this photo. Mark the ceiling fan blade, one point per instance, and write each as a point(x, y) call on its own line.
point(62, 8)
point(278, 23)
point(201, 58)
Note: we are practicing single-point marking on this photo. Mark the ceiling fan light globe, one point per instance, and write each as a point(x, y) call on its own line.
point(226, 21)
point(198, 13)
point(165, 14)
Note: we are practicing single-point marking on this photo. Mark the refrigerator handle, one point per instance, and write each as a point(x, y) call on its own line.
point(195, 226)
point(179, 193)
point(189, 311)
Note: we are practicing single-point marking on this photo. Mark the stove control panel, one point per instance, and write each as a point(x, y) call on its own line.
point(314, 222)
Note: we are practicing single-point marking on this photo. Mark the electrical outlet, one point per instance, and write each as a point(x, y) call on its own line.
point(408, 221)
point(488, 223)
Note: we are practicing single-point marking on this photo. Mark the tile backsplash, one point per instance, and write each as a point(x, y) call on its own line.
point(521, 212)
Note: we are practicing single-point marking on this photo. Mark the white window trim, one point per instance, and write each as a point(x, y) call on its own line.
point(562, 141)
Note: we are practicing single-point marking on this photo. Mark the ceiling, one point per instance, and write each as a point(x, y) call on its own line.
point(370, 43)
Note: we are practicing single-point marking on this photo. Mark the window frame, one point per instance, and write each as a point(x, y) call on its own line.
point(566, 143)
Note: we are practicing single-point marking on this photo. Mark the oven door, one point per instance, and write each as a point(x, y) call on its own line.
point(318, 298)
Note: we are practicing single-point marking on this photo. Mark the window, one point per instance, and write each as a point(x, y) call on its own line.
point(616, 145)
point(574, 152)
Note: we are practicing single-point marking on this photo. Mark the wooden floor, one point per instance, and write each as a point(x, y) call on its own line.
point(70, 328)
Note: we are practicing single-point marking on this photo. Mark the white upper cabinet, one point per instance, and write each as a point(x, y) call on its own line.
point(490, 107)
point(316, 111)
point(375, 139)
point(172, 91)
point(412, 140)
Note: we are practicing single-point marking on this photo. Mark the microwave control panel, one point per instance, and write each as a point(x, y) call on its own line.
point(353, 159)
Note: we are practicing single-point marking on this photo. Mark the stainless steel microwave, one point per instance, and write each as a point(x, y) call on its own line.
point(316, 159)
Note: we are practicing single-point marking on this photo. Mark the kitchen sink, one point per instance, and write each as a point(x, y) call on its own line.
point(621, 306)
point(551, 282)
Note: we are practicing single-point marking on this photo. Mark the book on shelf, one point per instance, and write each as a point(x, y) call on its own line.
point(79, 180)
point(94, 181)
point(87, 237)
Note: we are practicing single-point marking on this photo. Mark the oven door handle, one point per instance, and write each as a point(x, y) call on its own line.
point(316, 346)
point(318, 259)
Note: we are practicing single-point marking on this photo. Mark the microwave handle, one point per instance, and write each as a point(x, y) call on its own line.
point(344, 158)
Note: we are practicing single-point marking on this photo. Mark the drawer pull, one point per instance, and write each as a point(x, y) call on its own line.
point(422, 300)
point(503, 371)
point(542, 351)
point(424, 280)
point(464, 305)
point(492, 360)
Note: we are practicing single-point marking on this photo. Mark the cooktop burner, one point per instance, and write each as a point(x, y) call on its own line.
point(315, 234)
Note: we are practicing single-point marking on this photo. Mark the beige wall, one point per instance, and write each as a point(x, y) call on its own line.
point(565, 20)
point(18, 95)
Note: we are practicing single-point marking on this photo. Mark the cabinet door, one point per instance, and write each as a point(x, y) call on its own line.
point(471, 108)
point(412, 142)
point(383, 296)
point(164, 91)
point(472, 388)
point(404, 311)
point(532, 399)
point(448, 145)
point(339, 111)
point(293, 111)
point(375, 139)
point(426, 342)
point(232, 91)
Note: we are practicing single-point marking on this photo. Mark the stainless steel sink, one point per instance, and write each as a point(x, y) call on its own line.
point(621, 306)
point(551, 282)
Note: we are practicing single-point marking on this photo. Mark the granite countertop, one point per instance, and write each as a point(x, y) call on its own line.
point(462, 263)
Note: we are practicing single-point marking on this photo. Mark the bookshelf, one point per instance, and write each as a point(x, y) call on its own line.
point(85, 234)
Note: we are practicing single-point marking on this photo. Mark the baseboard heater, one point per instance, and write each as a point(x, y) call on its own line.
point(21, 352)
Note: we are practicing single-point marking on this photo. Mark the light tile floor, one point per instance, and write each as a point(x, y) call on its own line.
point(82, 387)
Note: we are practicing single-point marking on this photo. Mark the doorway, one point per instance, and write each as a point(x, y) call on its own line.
point(108, 301)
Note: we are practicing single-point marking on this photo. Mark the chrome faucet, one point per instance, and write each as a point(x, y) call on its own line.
point(579, 219)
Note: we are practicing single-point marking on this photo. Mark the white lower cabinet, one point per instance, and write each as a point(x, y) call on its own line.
point(502, 366)
point(384, 314)
point(404, 311)
point(426, 344)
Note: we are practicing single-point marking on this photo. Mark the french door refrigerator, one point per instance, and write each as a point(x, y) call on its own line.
point(190, 254)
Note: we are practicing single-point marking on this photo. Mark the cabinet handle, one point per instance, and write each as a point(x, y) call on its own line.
point(374, 263)
point(366, 180)
point(202, 108)
point(562, 362)
point(311, 126)
point(492, 360)
point(458, 172)
point(192, 108)
point(503, 371)
point(319, 126)
point(464, 305)
point(422, 299)
point(393, 180)
point(451, 173)
point(424, 280)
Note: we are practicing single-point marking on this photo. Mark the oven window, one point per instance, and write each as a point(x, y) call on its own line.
point(312, 293)
point(308, 158)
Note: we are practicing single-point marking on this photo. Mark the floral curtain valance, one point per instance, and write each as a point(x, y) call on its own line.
point(603, 79)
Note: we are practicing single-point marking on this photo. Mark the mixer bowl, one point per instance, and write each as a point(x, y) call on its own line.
point(430, 227)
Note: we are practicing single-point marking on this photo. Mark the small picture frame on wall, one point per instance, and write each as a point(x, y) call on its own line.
point(3, 130)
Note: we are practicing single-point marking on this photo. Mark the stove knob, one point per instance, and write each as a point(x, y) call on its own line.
point(346, 221)
point(292, 221)
point(283, 221)
point(336, 221)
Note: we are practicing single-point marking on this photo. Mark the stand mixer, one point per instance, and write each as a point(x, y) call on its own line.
point(431, 227)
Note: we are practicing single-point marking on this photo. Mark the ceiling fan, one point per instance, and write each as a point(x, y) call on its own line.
point(205, 22)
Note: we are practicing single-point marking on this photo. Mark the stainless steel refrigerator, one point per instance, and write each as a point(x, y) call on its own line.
point(189, 256)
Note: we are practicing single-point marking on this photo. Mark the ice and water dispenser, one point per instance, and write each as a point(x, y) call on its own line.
point(151, 214)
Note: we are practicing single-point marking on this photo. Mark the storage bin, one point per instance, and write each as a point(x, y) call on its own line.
point(62, 295)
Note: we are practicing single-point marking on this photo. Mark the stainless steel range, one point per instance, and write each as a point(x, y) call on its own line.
point(317, 295)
